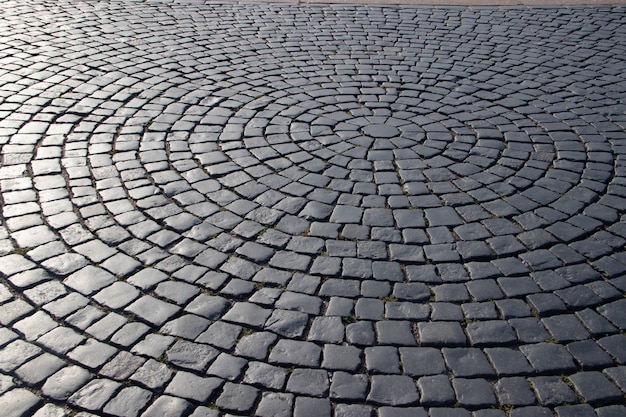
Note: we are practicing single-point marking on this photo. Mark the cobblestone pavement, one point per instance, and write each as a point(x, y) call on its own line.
point(312, 210)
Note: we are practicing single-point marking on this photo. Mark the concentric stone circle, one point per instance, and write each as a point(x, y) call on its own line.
point(311, 210)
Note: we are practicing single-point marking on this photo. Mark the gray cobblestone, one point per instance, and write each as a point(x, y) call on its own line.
point(311, 210)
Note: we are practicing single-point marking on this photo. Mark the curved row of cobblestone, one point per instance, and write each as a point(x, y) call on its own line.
point(244, 209)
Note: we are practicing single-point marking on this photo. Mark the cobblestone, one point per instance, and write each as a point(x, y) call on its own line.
point(212, 209)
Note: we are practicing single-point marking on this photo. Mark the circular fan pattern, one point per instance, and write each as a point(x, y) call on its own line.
point(220, 209)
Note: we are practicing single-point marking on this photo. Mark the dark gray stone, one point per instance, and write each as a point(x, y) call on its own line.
point(473, 393)
point(293, 352)
point(309, 382)
point(237, 398)
point(508, 361)
point(393, 390)
point(552, 391)
point(268, 376)
point(594, 388)
point(514, 392)
point(275, 404)
point(348, 387)
point(436, 391)
point(467, 362)
point(382, 359)
point(441, 334)
point(548, 358)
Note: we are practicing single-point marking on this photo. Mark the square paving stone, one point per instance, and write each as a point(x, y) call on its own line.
point(92, 353)
point(467, 362)
point(152, 310)
point(615, 312)
point(595, 323)
point(518, 286)
point(117, 295)
point(293, 352)
point(351, 410)
point(128, 402)
point(529, 330)
point(546, 304)
point(338, 357)
point(360, 333)
point(327, 329)
point(207, 306)
point(611, 411)
point(579, 296)
point(411, 291)
point(594, 388)
point(490, 333)
point(402, 412)
point(220, 334)
point(480, 311)
point(19, 402)
point(446, 312)
point(393, 390)
point(369, 309)
point(105, 327)
point(287, 323)
point(421, 361)
point(122, 366)
point(473, 393)
point(35, 325)
point(167, 405)
point(615, 345)
point(40, 368)
point(255, 345)
point(227, 367)
point(508, 361)
point(89, 279)
point(451, 293)
point(406, 310)
point(346, 386)
point(436, 391)
point(589, 355)
point(441, 334)
point(617, 375)
point(488, 413)
point(153, 345)
point(565, 328)
point(309, 382)
point(275, 404)
point(189, 355)
point(514, 392)
point(548, 358)
point(552, 391)
point(247, 314)
point(395, 332)
point(129, 333)
point(382, 360)
point(576, 410)
point(290, 261)
point(532, 411)
point(193, 387)
point(94, 394)
point(484, 289)
point(65, 382)
point(312, 407)
point(268, 376)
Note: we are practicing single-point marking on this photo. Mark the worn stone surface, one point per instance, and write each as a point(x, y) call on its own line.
point(285, 209)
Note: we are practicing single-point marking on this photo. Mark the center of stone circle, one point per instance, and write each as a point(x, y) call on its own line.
point(381, 131)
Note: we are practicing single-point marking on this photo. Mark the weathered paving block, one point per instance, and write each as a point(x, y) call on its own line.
point(312, 210)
